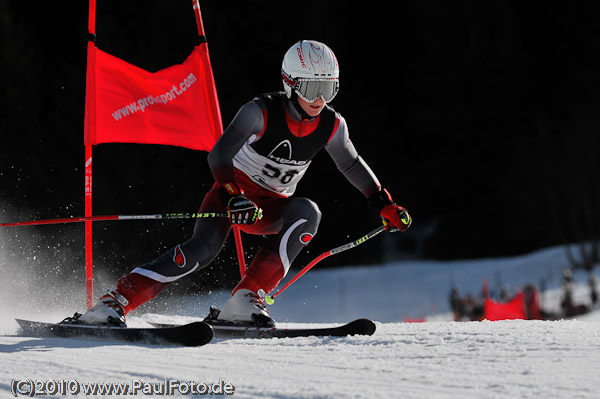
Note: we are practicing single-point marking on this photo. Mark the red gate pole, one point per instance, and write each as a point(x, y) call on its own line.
point(199, 20)
point(89, 273)
point(236, 230)
point(90, 118)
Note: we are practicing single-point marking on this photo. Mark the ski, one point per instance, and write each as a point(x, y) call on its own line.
point(192, 334)
point(230, 330)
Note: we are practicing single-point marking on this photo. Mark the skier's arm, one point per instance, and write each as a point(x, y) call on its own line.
point(347, 160)
point(248, 121)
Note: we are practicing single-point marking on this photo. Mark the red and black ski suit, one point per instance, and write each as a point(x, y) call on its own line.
point(265, 150)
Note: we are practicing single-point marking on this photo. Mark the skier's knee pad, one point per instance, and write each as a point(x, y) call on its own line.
point(180, 261)
point(202, 250)
point(301, 219)
point(304, 208)
point(300, 226)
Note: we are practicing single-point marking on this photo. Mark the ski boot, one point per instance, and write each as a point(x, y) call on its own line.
point(108, 311)
point(244, 308)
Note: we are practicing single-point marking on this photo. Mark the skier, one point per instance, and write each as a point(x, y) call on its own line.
point(256, 164)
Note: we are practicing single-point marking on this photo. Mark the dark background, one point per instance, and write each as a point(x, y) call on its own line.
point(481, 118)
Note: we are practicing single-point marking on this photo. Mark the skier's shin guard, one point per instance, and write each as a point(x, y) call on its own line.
point(138, 289)
point(265, 272)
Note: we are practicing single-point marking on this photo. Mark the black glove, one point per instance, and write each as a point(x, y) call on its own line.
point(240, 209)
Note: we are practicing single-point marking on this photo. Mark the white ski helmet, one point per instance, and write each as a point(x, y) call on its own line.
point(311, 70)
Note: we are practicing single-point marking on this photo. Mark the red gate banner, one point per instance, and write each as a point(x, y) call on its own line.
point(174, 106)
point(126, 104)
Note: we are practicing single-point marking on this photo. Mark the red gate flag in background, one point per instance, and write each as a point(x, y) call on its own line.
point(174, 106)
point(514, 309)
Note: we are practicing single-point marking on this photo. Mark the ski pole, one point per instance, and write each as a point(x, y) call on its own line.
point(120, 217)
point(271, 298)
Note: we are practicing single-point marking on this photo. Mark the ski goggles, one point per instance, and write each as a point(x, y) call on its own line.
point(311, 89)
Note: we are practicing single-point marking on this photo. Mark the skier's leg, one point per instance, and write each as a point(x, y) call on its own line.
point(292, 223)
point(147, 281)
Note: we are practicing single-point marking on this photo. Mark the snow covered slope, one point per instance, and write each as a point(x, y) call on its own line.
point(508, 359)
point(436, 359)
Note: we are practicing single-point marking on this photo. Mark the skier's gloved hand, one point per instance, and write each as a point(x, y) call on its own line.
point(393, 215)
point(240, 209)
